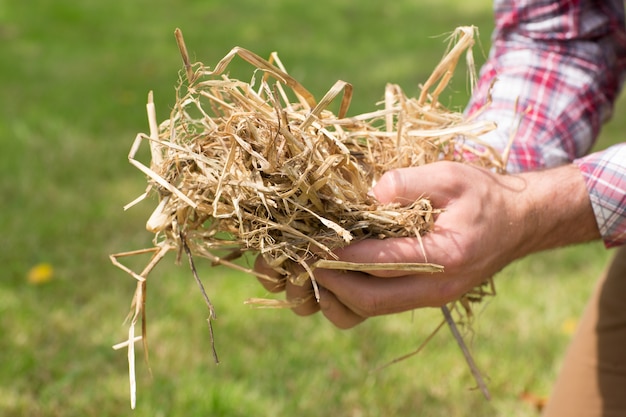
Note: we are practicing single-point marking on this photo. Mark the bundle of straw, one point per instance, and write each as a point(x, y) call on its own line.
point(263, 167)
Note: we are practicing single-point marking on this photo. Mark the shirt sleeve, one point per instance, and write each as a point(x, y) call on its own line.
point(553, 74)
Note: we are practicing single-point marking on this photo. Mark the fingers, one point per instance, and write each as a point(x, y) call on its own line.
point(301, 296)
point(276, 283)
point(388, 251)
point(368, 296)
point(336, 312)
point(347, 298)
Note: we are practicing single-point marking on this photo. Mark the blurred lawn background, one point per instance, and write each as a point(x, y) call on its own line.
point(74, 77)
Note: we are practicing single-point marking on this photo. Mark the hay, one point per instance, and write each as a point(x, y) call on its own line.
point(263, 167)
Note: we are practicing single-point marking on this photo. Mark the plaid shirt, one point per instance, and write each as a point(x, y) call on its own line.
point(558, 66)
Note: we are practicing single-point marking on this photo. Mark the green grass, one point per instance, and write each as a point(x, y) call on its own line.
point(74, 80)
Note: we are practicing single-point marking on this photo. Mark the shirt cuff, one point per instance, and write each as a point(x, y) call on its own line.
point(605, 176)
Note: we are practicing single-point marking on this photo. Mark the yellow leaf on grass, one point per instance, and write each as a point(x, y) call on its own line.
point(569, 326)
point(40, 274)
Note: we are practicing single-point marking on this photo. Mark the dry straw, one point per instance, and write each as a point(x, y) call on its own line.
point(263, 167)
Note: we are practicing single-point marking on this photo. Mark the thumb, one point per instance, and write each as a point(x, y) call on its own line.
point(439, 182)
point(404, 185)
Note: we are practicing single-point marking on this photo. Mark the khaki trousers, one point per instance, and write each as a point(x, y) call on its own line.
point(593, 378)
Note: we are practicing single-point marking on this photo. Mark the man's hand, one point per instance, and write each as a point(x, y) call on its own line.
point(488, 221)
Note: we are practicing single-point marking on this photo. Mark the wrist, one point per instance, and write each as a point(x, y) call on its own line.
point(553, 209)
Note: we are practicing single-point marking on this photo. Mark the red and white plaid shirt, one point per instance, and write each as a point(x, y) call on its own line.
point(559, 66)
